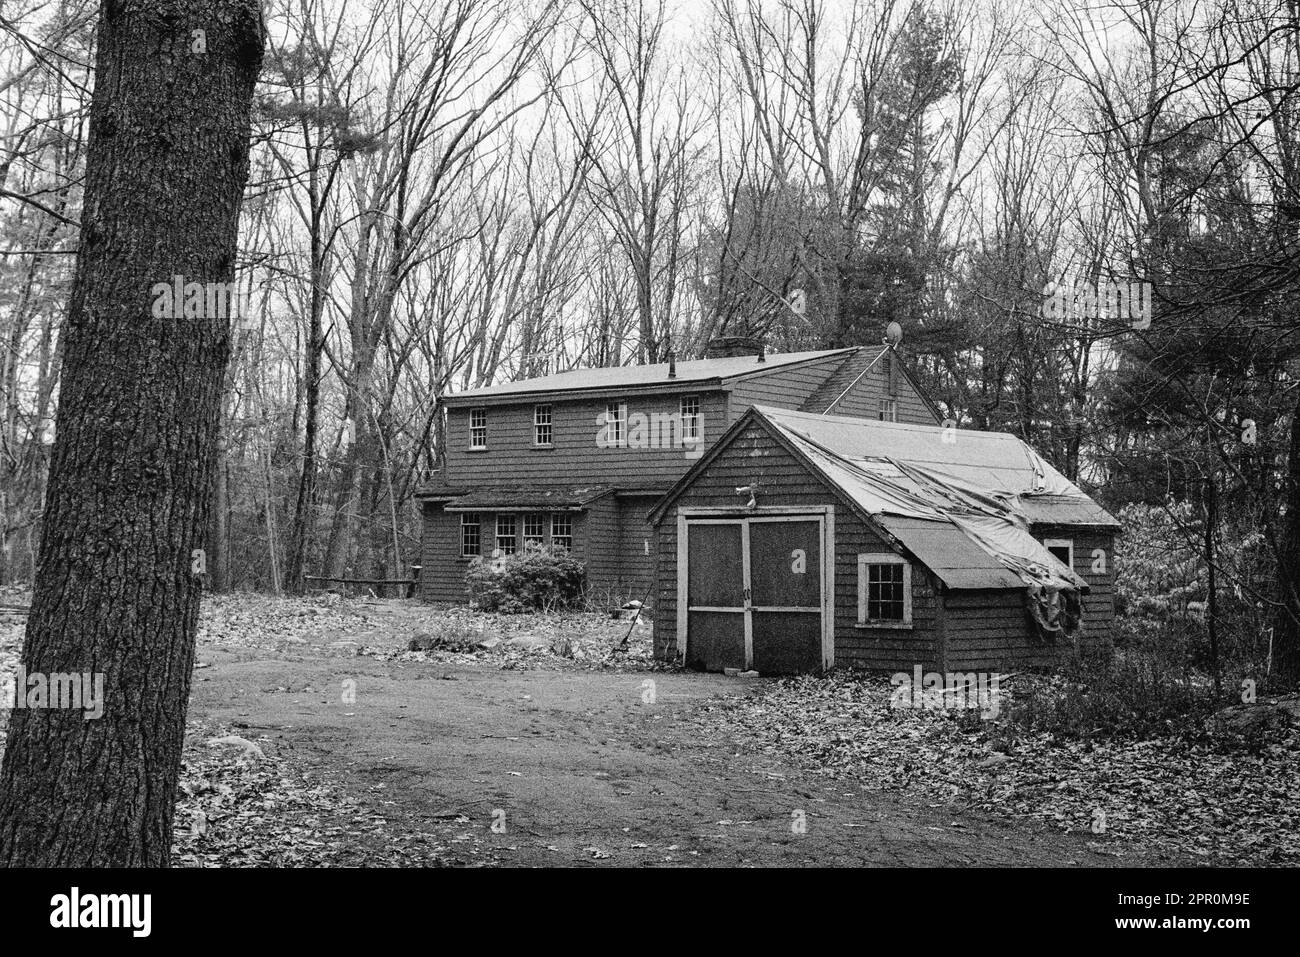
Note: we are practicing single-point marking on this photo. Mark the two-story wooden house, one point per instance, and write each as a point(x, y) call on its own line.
point(579, 458)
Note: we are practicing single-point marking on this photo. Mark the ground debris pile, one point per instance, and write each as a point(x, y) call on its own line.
point(240, 804)
point(1180, 794)
point(588, 640)
point(280, 623)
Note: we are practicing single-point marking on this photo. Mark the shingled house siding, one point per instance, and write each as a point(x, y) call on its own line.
point(863, 397)
point(1099, 603)
point(512, 459)
point(990, 631)
point(595, 542)
point(636, 568)
point(442, 577)
point(887, 649)
point(782, 388)
point(783, 480)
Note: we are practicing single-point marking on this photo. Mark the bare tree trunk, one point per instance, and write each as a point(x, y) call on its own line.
point(130, 489)
point(1286, 627)
point(219, 560)
point(303, 518)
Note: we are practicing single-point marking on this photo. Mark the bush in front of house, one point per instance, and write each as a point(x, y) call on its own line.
point(536, 579)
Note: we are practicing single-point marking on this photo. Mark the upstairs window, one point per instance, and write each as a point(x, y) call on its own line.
point(469, 535)
point(478, 428)
point(616, 425)
point(534, 531)
point(1063, 549)
point(884, 590)
point(506, 534)
point(888, 410)
point(562, 531)
point(542, 425)
point(690, 418)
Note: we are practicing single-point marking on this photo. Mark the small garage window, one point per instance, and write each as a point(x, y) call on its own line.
point(884, 590)
point(1062, 548)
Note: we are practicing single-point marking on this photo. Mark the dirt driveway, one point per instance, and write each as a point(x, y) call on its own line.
point(576, 768)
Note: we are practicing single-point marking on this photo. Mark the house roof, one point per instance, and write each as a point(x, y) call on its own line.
point(514, 499)
point(689, 372)
point(976, 469)
point(961, 502)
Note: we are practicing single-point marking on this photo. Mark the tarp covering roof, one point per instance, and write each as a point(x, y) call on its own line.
point(618, 377)
point(962, 502)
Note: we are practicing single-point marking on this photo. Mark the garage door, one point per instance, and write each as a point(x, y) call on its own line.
point(754, 594)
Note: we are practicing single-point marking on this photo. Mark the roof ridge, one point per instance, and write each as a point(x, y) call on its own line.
point(647, 375)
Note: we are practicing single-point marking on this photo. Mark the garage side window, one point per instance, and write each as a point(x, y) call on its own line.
point(1063, 549)
point(884, 590)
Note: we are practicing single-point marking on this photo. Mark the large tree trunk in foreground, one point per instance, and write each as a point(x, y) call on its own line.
point(129, 487)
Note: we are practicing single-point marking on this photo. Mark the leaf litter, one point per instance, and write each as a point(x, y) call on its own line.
point(1179, 794)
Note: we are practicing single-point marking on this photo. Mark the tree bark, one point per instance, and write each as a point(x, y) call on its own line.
point(130, 486)
point(1286, 623)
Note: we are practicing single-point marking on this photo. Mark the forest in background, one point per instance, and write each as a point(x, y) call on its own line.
point(447, 194)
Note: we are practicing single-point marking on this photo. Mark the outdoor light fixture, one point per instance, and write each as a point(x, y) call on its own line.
point(752, 492)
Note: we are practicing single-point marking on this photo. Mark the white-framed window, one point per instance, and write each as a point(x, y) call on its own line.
point(478, 428)
point(542, 434)
point(888, 410)
point(690, 418)
point(616, 425)
point(562, 531)
point(534, 530)
point(884, 590)
point(469, 536)
point(1063, 549)
point(506, 534)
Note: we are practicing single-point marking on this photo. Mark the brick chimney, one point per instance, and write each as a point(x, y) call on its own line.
point(724, 347)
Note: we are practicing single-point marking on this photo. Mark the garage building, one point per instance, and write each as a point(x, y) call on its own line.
point(801, 542)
